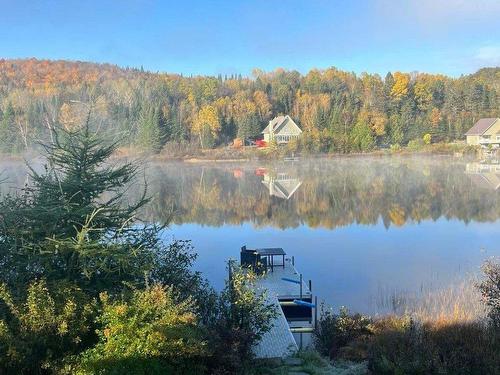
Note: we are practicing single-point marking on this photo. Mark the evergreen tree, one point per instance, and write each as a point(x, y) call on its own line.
point(361, 137)
point(63, 226)
point(248, 126)
point(396, 129)
point(8, 141)
point(407, 120)
point(321, 119)
point(388, 84)
point(150, 136)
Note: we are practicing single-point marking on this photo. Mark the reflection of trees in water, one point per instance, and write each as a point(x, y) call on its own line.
point(333, 193)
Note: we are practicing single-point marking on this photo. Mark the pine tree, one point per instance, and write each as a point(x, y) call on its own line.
point(320, 119)
point(63, 226)
point(150, 136)
point(396, 129)
point(248, 126)
point(8, 141)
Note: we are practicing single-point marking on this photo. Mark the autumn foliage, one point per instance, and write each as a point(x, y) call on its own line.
point(338, 111)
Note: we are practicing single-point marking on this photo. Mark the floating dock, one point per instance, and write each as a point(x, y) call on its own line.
point(287, 291)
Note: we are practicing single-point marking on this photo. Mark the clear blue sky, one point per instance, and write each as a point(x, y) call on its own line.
point(211, 37)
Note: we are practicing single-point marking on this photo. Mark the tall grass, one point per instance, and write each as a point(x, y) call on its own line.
point(432, 331)
point(458, 302)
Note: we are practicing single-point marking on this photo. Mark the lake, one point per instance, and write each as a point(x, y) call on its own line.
point(372, 234)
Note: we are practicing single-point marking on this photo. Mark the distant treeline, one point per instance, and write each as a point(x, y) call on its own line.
point(338, 111)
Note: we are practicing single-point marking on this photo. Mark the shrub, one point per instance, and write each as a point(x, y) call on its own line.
point(490, 290)
point(38, 331)
point(179, 150)
point(415, 145)
point(336, 331)
point(243, 316)
point(148, 333)
point(74, 230)
point(427, 138)
point(400, 346)
point(396, 147)
point(173, 266)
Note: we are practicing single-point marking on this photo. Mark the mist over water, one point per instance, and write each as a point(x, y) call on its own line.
point(371, 233)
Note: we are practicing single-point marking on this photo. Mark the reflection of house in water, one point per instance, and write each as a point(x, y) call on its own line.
point(484, 175)
point(281, 185)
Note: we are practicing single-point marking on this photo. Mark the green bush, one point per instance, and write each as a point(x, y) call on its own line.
point(396, 147)
point(335, 331)
point(39, 331)
point(415, 145)
point(147, 333)
point(243, 316)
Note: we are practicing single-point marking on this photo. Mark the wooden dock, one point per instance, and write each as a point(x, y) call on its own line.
point(283, 285)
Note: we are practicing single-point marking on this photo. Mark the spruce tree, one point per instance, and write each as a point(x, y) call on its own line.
point(150, 136)
point(8, 141)
point(73, 222)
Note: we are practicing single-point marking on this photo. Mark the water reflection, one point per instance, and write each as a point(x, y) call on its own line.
point(281, 185)
point(316, 193)
point(374, 234)
point(324, 193)
point(485, 175)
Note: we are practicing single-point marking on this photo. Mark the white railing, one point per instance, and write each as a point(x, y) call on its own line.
point(487, 141)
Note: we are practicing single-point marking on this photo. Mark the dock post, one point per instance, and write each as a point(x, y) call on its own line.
point(315, 312)
point(300, 286)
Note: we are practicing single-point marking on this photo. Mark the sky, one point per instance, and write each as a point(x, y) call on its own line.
point(451, 37)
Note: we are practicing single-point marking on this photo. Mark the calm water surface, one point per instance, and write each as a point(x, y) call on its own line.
point(366, 231)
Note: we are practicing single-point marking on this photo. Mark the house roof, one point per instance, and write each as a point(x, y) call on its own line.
point(277, 123)
point(481, 126)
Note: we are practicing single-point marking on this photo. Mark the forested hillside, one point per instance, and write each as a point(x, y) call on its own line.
point(338, 111)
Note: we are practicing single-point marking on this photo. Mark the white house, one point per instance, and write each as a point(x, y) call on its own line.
point(485, 132)
point(282, 129)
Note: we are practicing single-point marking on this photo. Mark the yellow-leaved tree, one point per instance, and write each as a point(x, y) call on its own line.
point(375, 119)
point(401, 83)
point(207, 125)
point(262, 104)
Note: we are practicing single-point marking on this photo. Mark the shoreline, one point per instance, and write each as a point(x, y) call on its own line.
point(246, 155)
